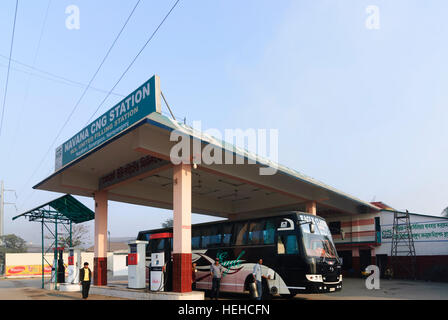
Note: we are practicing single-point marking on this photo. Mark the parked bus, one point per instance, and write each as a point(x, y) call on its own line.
point(297, 249)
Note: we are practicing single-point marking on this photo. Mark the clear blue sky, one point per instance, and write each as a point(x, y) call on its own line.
point(362, 110)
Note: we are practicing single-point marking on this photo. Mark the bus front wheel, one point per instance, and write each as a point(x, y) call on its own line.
point(266, 291)
point(266, 294)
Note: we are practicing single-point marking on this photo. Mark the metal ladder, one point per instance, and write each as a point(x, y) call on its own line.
point(403, 256)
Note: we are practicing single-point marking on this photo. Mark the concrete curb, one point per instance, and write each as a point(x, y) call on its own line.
point(145, 295)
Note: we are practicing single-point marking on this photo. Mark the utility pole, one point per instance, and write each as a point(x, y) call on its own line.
point(2, 207)
point(2, 219)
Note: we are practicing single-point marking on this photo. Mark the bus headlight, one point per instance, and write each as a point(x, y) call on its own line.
point(314, 277)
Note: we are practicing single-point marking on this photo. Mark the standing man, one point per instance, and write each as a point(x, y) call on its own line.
point(258, 275)
point(85, 277)
point(216, 273)
point(194, 270)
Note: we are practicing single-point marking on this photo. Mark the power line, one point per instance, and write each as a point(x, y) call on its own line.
point(94, 76)
point(59, 79)
point(132, 62)
point(9, 66)
point(84, 92)
point(30, 195)
point(41, 33)
point(27, 90)
point(113, 88)
point(77, 83)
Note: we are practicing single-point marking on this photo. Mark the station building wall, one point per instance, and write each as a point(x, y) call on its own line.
point(366, 239)
point(119, 266)
point(30, 264)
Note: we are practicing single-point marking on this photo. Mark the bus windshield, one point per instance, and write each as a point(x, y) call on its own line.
point(320, 243)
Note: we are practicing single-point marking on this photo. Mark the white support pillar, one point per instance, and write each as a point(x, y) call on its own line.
point(182, 228)
point(100, 257)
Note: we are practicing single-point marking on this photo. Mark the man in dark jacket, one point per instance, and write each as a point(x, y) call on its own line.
point(85, 277)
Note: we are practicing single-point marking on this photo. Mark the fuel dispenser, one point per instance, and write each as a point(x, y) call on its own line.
point(74, 264)
point(160, 249)
point(136, 261)
point(59, 262)
point(157, 271)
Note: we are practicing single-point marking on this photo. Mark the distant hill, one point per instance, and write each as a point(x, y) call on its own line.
point(121, 239)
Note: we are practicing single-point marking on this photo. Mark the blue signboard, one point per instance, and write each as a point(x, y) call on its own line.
point(136, 106)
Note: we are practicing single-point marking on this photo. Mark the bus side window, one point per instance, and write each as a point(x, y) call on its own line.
point(256, 229)
point(280, 245)
point(195, 239)
point(210, 237)
point(291, 244)
point(287, 244)
point(226, 234)
point(217, 238)
point(195, 242)
point(148, 250)
point(241, 233)
point(161, 245)
point(203, 245)
point(269, 232)
point(157, 245)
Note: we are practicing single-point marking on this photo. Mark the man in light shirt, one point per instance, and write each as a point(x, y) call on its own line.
point(258, 275)
point(216, 273)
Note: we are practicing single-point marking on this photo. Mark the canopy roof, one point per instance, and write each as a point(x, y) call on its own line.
point(65, 209)
point(222, 190)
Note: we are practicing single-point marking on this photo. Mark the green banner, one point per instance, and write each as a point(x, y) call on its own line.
point(420, 231)
point(136, 106)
